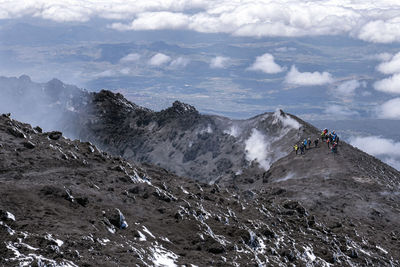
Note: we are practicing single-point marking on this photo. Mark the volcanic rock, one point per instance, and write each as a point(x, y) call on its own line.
point(55, 135)
point(55, 230)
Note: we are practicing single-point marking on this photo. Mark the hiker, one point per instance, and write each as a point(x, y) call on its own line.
point(327, 142)
point(330, 138)
point(316, 142)
point(324, 134)
point(334, 147)
point(309, 142)
point(296, 148)
point(301, 148)
point(305, 144)
point(334, 136)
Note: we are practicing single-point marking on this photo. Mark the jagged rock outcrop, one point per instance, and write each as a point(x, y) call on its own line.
point(180, 139)
point(66, 203)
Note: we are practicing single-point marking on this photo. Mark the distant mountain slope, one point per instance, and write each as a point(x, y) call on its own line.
point(65, 203)
point(51, 105)
point(182, 140)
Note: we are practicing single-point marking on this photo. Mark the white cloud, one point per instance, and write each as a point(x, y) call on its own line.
point(347, 89)
point(381, 31)
point(376, 146)
point(219, 62)
point(390, 109)
point(155, 21)
point(368, 20)
point(390, 66)
point(307, 78)
point(179, 62)
point(337, 111)
point(392, 161)
point(380, 56)
point(106, 73)
point(389, 85)
point(266, 63)
point(387, 149)
point(130, 58)
point(285, 49)
point(159, 59)
point(257, 148)
point(112, 73)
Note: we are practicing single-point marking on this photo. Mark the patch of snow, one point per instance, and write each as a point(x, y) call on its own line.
point(142, 236)
point(10, 216)
point(27, 260)
point(137, 179)
point(219, 238)
point(239, 172)
point(165, 239)
point(163, 257)
point(381, 249)
point(148, 232)
point(309, 254)
point(26, 245)
point(184, 191)
point(365, 252)
point(111, 229)
point(88, 237)
point(103, 241)
point(57, 241)
point(9, 230)
point(96, 186)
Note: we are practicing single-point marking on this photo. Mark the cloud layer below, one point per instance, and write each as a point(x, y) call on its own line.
point(368, 20)
point(388, 149)
point(390, 109)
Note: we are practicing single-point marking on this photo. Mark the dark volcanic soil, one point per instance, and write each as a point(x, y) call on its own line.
point(65, 203)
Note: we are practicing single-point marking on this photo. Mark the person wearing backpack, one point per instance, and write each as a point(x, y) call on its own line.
point(296, 148)
point(316, 142)
point(301, 148)
point(334, 147)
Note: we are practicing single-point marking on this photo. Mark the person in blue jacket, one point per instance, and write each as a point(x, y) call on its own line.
point(334, 136)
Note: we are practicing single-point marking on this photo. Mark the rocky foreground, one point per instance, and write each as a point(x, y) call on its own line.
point(66, 203)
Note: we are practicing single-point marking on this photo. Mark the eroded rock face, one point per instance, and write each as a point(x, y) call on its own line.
point(75, 211)
point(180, 139)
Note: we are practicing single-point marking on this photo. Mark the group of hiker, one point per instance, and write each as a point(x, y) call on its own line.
point(331, 139)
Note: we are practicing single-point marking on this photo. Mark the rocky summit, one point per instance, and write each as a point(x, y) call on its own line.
point(177, 187)
point(67, 203)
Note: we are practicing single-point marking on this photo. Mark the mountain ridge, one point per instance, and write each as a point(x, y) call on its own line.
point(67, 203)
point(252, 156)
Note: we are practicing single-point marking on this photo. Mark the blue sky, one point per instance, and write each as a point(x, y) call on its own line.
point(320, 60)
